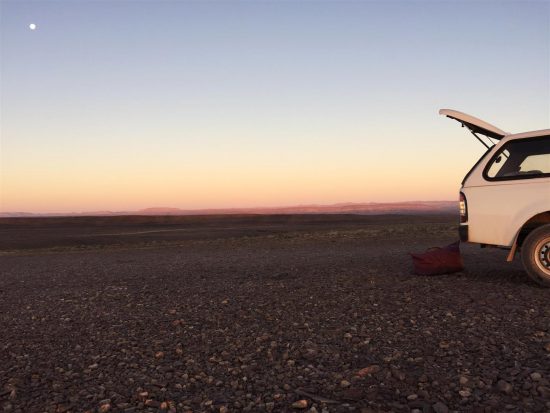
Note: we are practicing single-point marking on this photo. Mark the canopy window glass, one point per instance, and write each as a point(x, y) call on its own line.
point(523, 158)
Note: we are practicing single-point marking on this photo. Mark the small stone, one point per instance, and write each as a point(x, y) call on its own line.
point(310, 354)
point(465, 393)
point(105, 408)
point(224, 409)
point(398, 374)
point(347, 335)
point(439, 407)
point(143, 394)
point(345, 383)
point(368, 370)
point(412, 397)
point(352, 394)
point(504, 386)
point(544, 391)
point(536, 376)
point(164, 406)
point(226, 301)
point(152, 403)
point(300, 404)
point(313, 410)
point(547, 347)
point(159, 354)
point(463, 380)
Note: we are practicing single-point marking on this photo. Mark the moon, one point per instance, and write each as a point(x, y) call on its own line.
point(32, 26)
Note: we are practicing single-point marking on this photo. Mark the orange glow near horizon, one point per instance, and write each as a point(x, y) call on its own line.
point(247, 182)
point(97, 174)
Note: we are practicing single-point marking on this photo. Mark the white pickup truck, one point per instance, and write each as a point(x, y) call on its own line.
point(505, 197)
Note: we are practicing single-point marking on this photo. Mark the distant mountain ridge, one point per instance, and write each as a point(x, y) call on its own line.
point(369, 208)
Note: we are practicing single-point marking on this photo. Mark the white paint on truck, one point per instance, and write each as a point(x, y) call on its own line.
point(506, 195)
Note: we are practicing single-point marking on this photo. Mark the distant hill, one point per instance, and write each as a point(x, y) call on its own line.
point(370, 208)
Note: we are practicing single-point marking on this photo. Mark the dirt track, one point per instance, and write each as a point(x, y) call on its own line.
point(256, 321)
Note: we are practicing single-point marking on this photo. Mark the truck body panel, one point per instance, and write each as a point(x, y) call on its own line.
point(496, 212)
point(497, 208)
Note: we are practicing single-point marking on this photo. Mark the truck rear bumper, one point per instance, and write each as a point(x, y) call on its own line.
point(463, 233)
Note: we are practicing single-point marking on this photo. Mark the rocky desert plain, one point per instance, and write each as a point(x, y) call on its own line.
point(263, 313)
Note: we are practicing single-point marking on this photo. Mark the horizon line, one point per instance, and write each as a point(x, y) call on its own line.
point(227, 210)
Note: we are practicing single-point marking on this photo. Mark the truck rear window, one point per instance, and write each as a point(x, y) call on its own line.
point(520, 159)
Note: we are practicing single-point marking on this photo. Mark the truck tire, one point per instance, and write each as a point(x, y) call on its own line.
point(535, 255)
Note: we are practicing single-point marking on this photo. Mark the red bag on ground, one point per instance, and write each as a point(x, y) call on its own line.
point(438, 260)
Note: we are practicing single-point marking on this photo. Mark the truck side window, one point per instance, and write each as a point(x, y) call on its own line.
point(498, 163)
point(520, 159)
point(539, 163)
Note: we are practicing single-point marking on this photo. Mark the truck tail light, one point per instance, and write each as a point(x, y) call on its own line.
point(463, 208)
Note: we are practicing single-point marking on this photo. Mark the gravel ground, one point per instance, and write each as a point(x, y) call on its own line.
point(324, 321)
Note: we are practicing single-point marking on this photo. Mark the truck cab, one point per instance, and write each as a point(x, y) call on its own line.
point(505, 197)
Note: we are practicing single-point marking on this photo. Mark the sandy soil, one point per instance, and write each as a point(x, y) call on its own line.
point(262, 316)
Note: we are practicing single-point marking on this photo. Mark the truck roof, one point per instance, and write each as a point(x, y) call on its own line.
point(530, 134)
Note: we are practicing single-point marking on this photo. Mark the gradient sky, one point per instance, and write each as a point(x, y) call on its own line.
point(120, 105)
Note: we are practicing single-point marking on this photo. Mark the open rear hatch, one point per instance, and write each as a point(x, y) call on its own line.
point(476, 126)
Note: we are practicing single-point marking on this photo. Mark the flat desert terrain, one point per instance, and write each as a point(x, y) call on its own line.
point(317, 313)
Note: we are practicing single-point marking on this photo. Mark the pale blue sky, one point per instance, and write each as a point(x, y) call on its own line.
point(129, 104)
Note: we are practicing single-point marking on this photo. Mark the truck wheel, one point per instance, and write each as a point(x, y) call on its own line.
point(535, 255)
